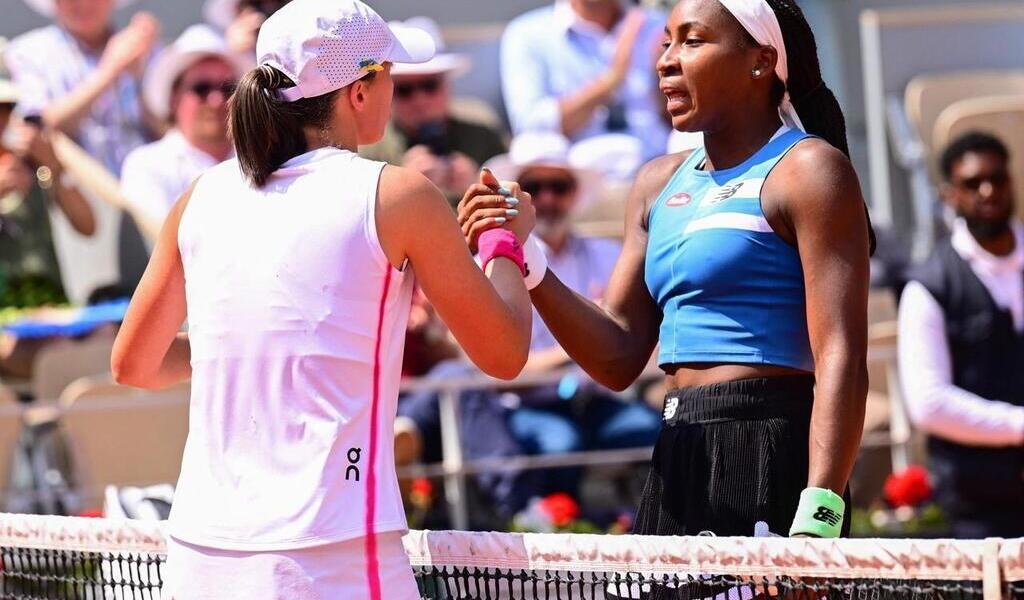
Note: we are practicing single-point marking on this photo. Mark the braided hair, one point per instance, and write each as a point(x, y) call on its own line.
point(817, 106)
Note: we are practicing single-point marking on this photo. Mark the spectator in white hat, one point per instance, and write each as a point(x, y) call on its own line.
point(545, 419)
point(423, 134)
point(585, 69)
point(189, 85)
point(240, 20)
point(81, 75)
point(294, 265)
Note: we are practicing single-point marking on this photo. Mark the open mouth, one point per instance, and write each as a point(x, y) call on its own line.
point(676, 100)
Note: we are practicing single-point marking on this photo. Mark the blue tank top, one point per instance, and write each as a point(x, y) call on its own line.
point(730, 289)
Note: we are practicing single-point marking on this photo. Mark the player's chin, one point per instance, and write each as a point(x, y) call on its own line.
point(685, 122)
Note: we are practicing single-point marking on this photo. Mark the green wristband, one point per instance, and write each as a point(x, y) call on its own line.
point(820, 514)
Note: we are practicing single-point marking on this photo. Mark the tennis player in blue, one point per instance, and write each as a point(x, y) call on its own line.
point(746, 263)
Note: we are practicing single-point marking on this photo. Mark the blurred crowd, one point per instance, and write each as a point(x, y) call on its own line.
point(151, 114)
point(584, 112)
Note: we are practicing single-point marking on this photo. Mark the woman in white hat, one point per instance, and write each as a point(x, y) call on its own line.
point(293, 264)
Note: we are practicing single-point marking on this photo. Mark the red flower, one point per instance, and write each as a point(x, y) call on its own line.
point(909, 488)
point(422, 493)
point(423, 487)
point(560, 508)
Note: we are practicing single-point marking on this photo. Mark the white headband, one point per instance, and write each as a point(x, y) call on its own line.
point(761, 23)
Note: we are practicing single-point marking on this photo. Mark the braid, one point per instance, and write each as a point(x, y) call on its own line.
point(814, 102)
point(817, 106)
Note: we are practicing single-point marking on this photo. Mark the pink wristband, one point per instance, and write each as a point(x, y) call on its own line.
point(500, 242)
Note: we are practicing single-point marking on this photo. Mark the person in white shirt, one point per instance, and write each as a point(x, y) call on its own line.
point(585, 69)
point(961, 345)
point(82, 75)
point(572, 415)
point(189, 85)
point(294, 264)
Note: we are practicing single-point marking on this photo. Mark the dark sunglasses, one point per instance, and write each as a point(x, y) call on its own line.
point(427, 86)
point(558, 187)
point(203, 89)
point(973, 184)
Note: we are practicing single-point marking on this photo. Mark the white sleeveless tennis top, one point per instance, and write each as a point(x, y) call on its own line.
point(297, 327)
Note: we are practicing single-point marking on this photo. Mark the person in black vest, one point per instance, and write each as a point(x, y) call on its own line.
point(961, 348)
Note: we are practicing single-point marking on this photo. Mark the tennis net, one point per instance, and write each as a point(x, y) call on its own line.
point(76, 558)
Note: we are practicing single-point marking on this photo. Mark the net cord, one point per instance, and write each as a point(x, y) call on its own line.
point(992, 561)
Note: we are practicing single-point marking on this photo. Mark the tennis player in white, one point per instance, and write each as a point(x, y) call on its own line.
point(293, 265)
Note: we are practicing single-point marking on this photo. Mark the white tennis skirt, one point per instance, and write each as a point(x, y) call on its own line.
point(335, 571)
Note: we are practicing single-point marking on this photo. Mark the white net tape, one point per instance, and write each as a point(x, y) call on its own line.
point(847, 558)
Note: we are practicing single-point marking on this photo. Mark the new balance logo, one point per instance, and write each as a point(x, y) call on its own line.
point(671, 405)
point(726, 192)
point(827, 515)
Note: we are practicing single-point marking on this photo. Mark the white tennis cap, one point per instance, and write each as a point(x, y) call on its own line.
point(324, 45)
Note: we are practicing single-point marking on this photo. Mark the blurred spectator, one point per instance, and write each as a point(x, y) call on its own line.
point(961, 346)
point(423, 134)
point(189, 84)
point(585, 68)
point(31, 182)
point(82, 76)
point(575, 414)
point(240, 20)
point(427, 340)
point(571, 415)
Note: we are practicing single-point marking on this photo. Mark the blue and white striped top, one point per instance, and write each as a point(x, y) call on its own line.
point(730, 289)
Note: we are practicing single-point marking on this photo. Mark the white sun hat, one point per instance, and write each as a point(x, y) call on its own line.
point(193, 45)
point(324, 45)
point(443, 62)
point(48, 8)
point(544, 149)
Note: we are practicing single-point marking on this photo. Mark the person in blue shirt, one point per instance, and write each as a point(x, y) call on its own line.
point(585, 69)
point(746, 262)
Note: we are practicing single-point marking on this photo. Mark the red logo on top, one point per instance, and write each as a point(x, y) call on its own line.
point(680, 199)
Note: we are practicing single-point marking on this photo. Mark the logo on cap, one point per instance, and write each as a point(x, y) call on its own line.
point(369, 64)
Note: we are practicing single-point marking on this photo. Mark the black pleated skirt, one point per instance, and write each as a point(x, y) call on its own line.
point(730, 455)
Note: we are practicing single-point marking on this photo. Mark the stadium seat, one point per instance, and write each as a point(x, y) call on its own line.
point(149, 428)
point(926, 96)
point(94, 386)
point(10, 427)
point(62, 362)
point(1002, 116)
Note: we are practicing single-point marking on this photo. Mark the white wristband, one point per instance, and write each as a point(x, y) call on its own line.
point(536, 263)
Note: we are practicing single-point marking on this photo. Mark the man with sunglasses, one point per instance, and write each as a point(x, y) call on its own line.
point(423, 134)
point(189, 85)
point(961, 345)
point(574, 414)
